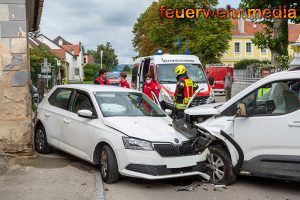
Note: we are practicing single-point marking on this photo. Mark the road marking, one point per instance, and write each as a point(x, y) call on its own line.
point(99, 186)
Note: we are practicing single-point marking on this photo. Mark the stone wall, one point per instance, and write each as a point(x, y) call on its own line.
point(15, 106)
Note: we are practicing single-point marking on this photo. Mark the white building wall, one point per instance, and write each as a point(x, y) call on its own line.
point(48, 42)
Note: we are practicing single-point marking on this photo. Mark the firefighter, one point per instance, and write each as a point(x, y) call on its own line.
point(185, 89)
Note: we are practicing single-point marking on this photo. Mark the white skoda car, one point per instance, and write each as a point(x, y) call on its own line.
point(120, 129)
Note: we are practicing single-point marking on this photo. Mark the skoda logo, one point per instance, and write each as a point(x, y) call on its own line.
point(176, 140)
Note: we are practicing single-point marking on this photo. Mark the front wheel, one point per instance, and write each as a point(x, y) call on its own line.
point(40, 140)
point(220, 166)
point(108, 165)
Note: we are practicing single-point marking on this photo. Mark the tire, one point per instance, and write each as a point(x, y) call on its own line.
point(40, 140)
point(108, 165)
point(221, 169)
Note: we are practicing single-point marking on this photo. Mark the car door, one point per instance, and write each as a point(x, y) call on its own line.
point(270, 136)
point(54, 113)
point(77, 132)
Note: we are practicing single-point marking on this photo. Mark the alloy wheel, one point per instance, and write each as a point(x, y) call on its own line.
point(103, 163)
point(217, 166)
point(40, 139)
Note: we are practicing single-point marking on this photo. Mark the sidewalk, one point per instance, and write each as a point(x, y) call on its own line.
point(51, 177)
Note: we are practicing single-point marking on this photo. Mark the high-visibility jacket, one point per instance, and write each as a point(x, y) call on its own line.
point(185, 89)
point(99, 81)
point(262, 91)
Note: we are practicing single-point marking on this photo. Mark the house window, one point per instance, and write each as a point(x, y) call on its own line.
point(263, 50)
point(76, 71)
point(237, 47)
point(248, 47)
point(84, 60)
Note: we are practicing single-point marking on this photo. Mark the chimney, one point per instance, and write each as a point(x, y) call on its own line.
point(60, 42)
point(241, 25)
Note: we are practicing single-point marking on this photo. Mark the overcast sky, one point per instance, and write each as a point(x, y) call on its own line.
point(95, 22)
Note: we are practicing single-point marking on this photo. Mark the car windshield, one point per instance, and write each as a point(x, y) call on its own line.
point(113, 75)
point(166, 73)
point(128, 104)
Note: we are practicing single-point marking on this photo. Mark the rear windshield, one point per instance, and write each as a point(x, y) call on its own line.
point(166, 73)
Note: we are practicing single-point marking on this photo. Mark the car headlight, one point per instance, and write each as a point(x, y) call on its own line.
point(137, 144)
point(164, 96)
point(211, 97)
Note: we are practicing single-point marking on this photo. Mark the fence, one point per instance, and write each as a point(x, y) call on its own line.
point(243, 79)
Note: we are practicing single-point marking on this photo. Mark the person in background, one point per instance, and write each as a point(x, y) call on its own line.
point(123, 81)
point(150, 86)
point(228, 81)
point(102, 78)
point(41, 87)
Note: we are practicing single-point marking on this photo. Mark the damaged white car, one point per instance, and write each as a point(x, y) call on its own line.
point(120, 129)
point(257, 132)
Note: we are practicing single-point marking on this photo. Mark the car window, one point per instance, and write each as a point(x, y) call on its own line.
point(280, 97)
point(81, 102)
point(166, 74)
point(127, 104)
point(61, 98)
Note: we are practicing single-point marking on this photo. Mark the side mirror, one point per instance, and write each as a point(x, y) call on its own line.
point(211, 80)
point(242, 112)
point(168, 112)
point(86, 114)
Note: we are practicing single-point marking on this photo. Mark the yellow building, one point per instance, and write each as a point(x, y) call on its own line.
point(241, 46)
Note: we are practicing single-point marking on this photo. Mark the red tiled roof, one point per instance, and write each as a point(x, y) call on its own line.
point(252, 27)
point(69, 48)
point(294, 32)
point(61, 53)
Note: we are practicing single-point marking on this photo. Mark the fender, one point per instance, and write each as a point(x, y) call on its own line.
point(239, 164)
point(216, 132)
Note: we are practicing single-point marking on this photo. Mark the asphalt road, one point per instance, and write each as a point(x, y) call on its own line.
point(246, 188)
point(56, 176)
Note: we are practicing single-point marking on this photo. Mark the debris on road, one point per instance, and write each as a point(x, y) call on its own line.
point(185, 188)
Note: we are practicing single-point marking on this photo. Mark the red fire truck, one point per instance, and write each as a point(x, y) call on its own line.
point(218, 72)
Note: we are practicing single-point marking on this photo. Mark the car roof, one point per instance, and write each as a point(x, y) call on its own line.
point(96, 88)
point(284, 75)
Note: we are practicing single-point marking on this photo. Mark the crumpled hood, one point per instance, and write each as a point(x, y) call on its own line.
point(154, 129)
point(206, 109)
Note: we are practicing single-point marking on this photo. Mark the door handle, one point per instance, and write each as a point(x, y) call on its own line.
point(66, 121)
point(47, 114)
point(294, 124)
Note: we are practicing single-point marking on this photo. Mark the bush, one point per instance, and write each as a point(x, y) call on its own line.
point(246, 62)
point(90, 71)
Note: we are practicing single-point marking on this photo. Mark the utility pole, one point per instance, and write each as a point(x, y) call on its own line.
point(101, 55)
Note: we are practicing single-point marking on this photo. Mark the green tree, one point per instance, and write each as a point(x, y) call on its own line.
point(109, 59)
point(90, 71)
point(126, 68)
point(275, 34)
point(206, 38)
point(37, 56)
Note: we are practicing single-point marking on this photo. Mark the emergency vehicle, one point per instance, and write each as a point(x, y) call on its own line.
point(218, 72)
point(114, 78)
point(162, 70)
